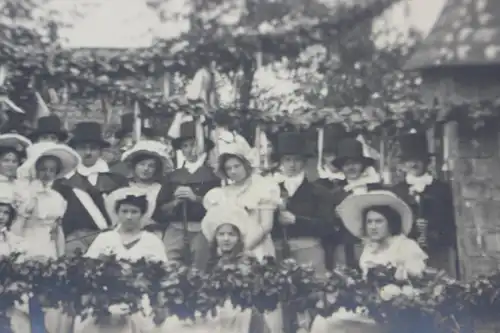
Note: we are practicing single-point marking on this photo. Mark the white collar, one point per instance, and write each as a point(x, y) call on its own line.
point(294, 182)
point(370, 176)
point(100, 166)
point(418, 184)
point(192, 167)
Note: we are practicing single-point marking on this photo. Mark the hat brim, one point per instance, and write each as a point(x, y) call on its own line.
point(218, 215)
point(16, 141)
point(61, 135)
point(176, 143)
point(129, 155)
point(351, 210)
point(111, 199)
point(68, 157)
point(340, 161)
point(100, 142)
point(420, 156)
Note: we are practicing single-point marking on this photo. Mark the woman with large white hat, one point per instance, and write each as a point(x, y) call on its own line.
point(382, 220)
point(40, 207)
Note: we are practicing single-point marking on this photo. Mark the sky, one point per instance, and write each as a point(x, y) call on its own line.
point(120, 23)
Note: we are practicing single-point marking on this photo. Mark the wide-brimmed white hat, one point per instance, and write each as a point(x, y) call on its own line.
point(351, 210)
point(111, 199)
point(68, 156)
point(219, 215)
point(11, 140)
point(147, 147)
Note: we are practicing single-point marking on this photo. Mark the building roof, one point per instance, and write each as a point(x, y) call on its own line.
point(467, 33)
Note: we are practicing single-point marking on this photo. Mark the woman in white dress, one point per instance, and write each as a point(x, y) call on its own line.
point(128, 241)
point(40, 208)
point(146, 161)
point(382, 220)
point(259, 197)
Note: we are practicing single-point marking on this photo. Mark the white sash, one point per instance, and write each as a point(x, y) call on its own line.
point(91, 208)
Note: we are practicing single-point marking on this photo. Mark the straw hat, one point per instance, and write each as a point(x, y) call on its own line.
point(219, 215)
point(146, 147)
point(111, 199)
point(14, 141)
point(351, 210)
point(69, 157)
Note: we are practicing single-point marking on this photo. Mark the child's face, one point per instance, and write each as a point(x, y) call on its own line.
point(129, 216)
point(226, 237)
point(4, 215)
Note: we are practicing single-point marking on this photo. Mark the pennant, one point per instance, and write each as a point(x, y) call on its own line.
point(3, 74)
point(42, 109)
point(11, 105)
point(53, 98)
point(320, 147)
point(199, 87)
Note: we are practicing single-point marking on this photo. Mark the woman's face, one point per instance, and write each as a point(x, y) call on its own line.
point(235, 169)
point(292, 165)
point(5, 211)
point(352, 169)
point(48, 169)
point(129, 216)
point(9, 163)
point(377, 226)
point(145, 169)
point(226, 237)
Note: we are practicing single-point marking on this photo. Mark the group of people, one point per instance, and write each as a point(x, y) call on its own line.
point(59, 196)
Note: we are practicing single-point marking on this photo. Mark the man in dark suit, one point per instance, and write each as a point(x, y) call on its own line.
point(432, 203)
point(90, 182)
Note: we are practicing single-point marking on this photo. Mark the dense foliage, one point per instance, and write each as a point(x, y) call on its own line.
point(79, 284)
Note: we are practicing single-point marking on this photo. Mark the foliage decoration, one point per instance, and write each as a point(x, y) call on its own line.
point(82, 285)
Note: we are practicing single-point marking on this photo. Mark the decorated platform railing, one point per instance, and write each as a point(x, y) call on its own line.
point(431, 303)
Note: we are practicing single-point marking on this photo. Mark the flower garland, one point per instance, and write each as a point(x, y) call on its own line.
point(80, 285)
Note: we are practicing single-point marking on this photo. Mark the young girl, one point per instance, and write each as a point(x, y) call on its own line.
point(226, 229)
point(129, 241)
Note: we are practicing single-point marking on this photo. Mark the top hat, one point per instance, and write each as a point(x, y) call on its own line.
point(188, 131)
point(414, 145)
point(333, 133)
point(351, 149)
point(293, 143)
point(49, 125)
point(127, 127)
point(88, 132)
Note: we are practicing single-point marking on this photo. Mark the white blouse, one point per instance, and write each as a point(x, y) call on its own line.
point(149, 246)
point(398, 250)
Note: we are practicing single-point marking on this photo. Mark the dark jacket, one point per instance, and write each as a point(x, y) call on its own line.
point(76, 216)
point(313, 211)
point(436, 206)
point(202, 181)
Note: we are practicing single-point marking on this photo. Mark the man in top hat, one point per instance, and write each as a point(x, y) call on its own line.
point(180, 207)
point(359, 177)
point(304, 217)
point(86, 214)
point(432, 203)
point(49, 128)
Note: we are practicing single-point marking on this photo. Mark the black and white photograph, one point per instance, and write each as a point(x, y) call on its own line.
point(249, 166)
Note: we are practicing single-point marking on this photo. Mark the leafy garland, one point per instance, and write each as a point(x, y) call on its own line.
point(80, 284)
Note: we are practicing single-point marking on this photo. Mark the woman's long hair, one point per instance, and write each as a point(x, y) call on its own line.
point(215, 258)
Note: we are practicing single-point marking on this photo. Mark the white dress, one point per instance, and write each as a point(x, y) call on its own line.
point(400, 251)
point(257, 194)
point(40, 210)
point(148, 246)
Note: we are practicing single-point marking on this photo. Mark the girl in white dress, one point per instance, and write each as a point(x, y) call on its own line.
point(129, 241)
point(226, 229)
point(146, 161)
point(382, 220)
point(40, 208)
point(259, 197)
